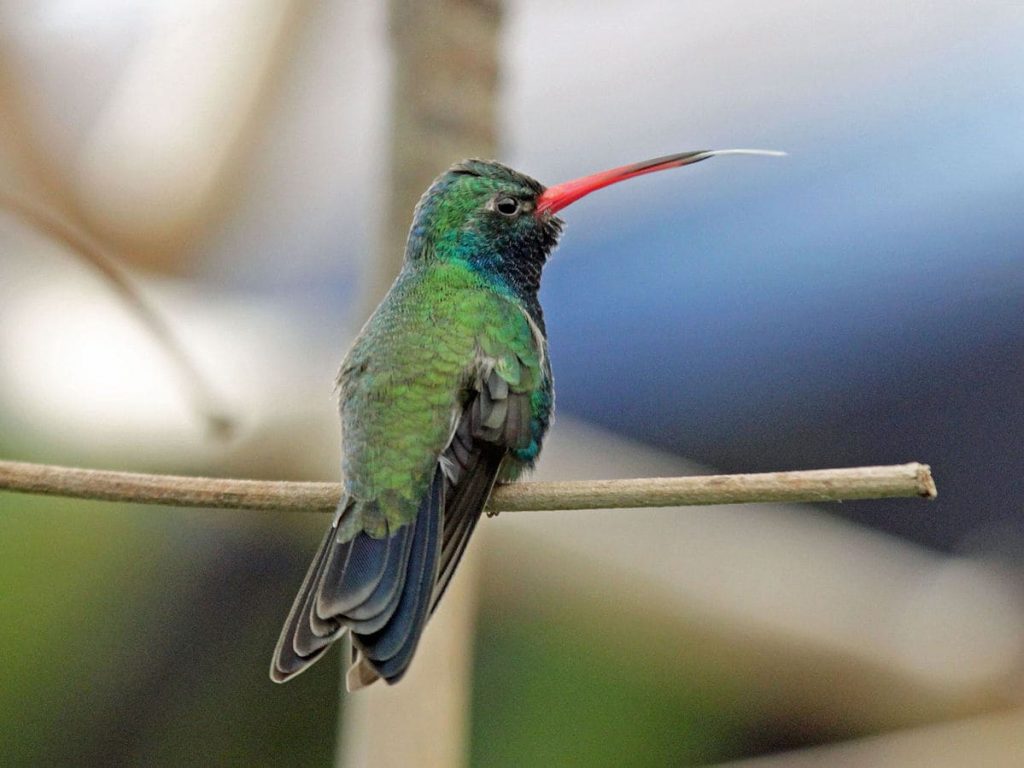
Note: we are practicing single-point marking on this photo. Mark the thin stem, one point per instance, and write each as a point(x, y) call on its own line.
point(815, 485)
point(197, 389)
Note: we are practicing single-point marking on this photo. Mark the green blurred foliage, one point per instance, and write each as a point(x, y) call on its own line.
point(574, 687)
point(135, 636)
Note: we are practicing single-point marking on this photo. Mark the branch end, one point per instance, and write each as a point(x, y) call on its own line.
point(926, 483)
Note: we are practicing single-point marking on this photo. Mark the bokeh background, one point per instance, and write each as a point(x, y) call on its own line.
point(858, 302)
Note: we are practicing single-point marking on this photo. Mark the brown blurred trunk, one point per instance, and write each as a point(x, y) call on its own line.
point(443, 109)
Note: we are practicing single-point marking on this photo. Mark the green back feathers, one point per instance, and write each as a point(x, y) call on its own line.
point(409, 373)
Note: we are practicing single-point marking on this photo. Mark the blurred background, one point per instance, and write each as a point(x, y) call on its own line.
point(255, 165)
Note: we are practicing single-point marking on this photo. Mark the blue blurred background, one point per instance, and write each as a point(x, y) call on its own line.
point(858, 302)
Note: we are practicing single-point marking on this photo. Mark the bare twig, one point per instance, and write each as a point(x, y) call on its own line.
point(80, 243)
point(811, 485)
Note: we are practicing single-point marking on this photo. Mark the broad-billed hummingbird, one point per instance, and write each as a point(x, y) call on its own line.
point(446, 391)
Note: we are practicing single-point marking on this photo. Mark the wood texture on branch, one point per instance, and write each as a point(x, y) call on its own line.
point(816, 485)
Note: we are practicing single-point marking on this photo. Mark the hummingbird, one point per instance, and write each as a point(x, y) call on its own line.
point(446, 391)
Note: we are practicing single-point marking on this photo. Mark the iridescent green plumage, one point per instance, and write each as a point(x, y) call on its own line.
point(412, 371)
point(446, 390)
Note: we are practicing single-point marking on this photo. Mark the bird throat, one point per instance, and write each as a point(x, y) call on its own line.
point(514, 272)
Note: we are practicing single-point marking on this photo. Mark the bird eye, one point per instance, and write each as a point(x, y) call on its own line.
point(507, 206)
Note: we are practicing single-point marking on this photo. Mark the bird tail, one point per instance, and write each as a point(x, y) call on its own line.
point(377, 588)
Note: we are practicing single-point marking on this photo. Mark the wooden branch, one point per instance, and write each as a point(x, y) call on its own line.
point(895, 481)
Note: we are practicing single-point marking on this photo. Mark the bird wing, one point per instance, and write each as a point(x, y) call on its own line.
point(495, 424)
point(382, 568)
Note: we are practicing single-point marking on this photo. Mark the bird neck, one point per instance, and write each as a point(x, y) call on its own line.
point(511, 272)
point(489, 270)
point(514, 274)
